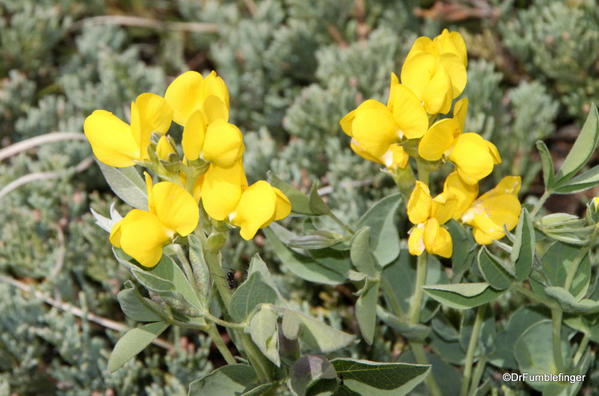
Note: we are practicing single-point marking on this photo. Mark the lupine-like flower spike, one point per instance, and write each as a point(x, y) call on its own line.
point(143, 233)
point(494, 210)
point(118, 144)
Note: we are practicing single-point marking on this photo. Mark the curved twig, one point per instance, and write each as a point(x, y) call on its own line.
point(126, 20)
point(27, 144)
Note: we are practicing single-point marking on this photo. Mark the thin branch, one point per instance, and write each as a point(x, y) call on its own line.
point(104, 322)
point(357, 183)
point(125, 20)
point(80, 167)
point(27, 144)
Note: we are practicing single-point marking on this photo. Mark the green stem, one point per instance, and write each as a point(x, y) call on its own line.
point(581, 348)
point(393, 301)
point(478, 373)
point(423, 171)
point(556, 332)
point(218, 341)
point(224, 323)
point(260, 363)
point(540, 203)
point(341, 223)
point(184, 263)
point(414, 318)
point(474, 336)
point(415, 305)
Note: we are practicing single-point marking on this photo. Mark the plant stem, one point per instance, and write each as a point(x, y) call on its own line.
point(256, 358)
point(556, 331)
point(540, 203)
point(474, 336)
point(581, 348)
point(478, 373)
point(416, 302)
point(341, 223)
point(414, 318)
point(423, 171)
point(218, 341)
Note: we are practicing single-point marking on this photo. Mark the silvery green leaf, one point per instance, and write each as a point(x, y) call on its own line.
point(133, 342)
point(127, 184)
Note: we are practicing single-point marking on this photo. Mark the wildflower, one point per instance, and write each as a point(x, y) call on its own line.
point(259, 206)
point(190, 92)
point(463, 193)
point(164, 148)
point(221, 189)
point(495, 211)
point(142, 234)
point(118, 144)
point(219, 142)
point(428, 216)
point(474, 157)
point(438, 141)
point(435, 70)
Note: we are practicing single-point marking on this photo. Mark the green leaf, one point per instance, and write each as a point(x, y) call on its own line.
point(300, 203)
point(232, 379)
point(547, 164)
point(385, 239)
point(307, 370)
point(366, 310)
point(533, 351)
point(303, 266)
point(417, 332)
point(464, 248)
point(374, 378)
point(127, 184)
point(583, 148)
point(200, 267)
point(249, 295)
point(318, 335)
point(559, 260)
point(582, 182)
point(137, 307)
point(462, 295)
point(492, 270)
point(317, 205)
point(265, 333)
point(524, 246)
point(133, 342)
point(360, 253)
point(570, 304)
point(316, 240)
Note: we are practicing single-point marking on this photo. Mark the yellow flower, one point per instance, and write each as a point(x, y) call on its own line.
point(221, 189)
point(464, 194)
point(260, 205)
point(596, 203)
point(219, 142)
point(474, 157)
point(495, 210)
point(395, 157)
point(407, 110)
point(429, 214)
point(142, 234)
point(441, 136)
point(435, 70)
point(191, 92)
point(118, 144)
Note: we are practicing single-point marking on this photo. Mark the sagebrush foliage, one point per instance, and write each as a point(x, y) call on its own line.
point(294, 68)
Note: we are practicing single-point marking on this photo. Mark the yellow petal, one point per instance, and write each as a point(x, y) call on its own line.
point(419, 204)
point(416, 240)
point(438, 93)
point(143, 236)
point(422, 44)
point(452, 43)
point(507, 185)
point(283, 207)
point(150, 192)
point(429, 81)
point(408, 112)
point(442, 244)
point(473, 157)
point(444, 207)
point(374, 128)
point(194, 134)
point(395, 157)
point(164, 148)
point(184, 95)
point(456, 72)
point(255, 209)
point(346, 122)
point(176, 208)
point(460, 110)
point(438, 139)
point(221, 190)
point(214, 85)
point(223, 145)
point(465, 194)
point(155, 115)
point(356, 148)
point(111, 139)
point(215, 109)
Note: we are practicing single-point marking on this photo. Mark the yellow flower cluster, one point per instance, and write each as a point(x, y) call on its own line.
point(415, 122)
point(201, 106)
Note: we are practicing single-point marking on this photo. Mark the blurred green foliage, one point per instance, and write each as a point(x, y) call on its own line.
point(294, 68)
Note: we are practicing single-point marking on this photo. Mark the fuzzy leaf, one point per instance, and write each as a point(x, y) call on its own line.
point(318, 335)
point(232, 379)
point(366, 310)
point(524, 246)
point(307, 370)
point(265, 333)
point(462, 295)
point(136, 307)
point(546, 163)
point(127, 184)
point(253, 292)
point(133, 342)
point(492, 270)
point(360, 253)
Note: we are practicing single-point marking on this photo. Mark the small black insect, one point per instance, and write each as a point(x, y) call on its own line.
point(231, 280)
point(340, 379)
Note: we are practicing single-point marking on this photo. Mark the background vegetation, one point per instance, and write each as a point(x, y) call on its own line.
point(294, 68)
